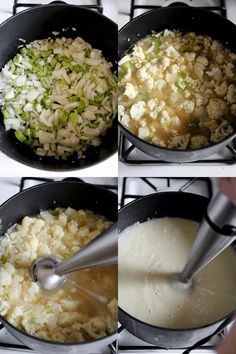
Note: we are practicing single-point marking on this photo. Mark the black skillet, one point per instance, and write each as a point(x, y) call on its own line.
point(49, 196)
point(186, 19)
point(172, 204)
point(38, 23)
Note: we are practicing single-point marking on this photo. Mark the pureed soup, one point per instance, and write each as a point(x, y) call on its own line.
point(150, 254)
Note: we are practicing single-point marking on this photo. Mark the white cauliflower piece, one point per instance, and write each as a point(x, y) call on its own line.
point(5, 277)
point(190, 56)
point(142, 75)
point(149, 83)
point(155, 112)
point(168, 33)
point(199, 66)
point(179, 142)
point(172, 52)
point(221, 89)
point(160, 84)
point(165, 63)
point(216, 108)
point(137, 110)
point(233, 109)
point(130, 90)
point(143, 132)
point(219, 58)
point(188, 106)
point(221, 132)
point(138, 52)
point(231, 94)
point(175, 121)
point(153, 70)
point(152, 104)
point(165, 119)
point(215, 73)
point(198, 141)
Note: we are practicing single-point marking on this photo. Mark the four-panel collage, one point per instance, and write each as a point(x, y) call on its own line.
point(118, 177)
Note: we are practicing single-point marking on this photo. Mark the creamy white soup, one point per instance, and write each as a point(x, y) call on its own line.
point(149, 254)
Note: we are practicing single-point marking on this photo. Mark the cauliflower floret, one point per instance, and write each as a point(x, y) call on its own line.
point(215, 73)
point(216, 108)
point(219, 58)
point(165, 63)
point(5, 277)
point(160, 84)
point(179, 142)
point(153, 70)
point(221, 132)
point(130, 90)
point(231, 94)
point(124, 59)
point(221, 89)
point(142, 74)
point(96, 327)
point(175, 121)
point(123, 116)
point(172, 52)
point(199, 66)
point(233, 109)
point(198, 141)
point(152, 104)
point(168, 33)
point(190, 56)
point(138, 52)
point(143, 132)
point(155, 112)
point(137, 110)
point(165, 119)
point(149, 84)
point(188, 106)
point(229, 71)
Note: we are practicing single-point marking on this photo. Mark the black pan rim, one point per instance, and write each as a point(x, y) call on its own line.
point(75, 344)
point(46, 167)
point(43, 185)
point(151, 195)
point(174, 330)
point(166, 8)
point(46, 6)
point(224, 142)
point(126, 131)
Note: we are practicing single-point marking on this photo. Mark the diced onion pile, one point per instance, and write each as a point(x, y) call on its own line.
point(59, 95)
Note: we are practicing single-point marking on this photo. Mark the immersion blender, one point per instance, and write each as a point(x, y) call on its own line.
point(217, 231)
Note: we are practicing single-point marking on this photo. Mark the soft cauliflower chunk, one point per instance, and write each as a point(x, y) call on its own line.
point(130, 90)
point(66, 314)
point(231, 94)
point(186, 83)
point(198, 141)
point(216, 108)
point(137, 110)
point(143, 132)
point(142, 74)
